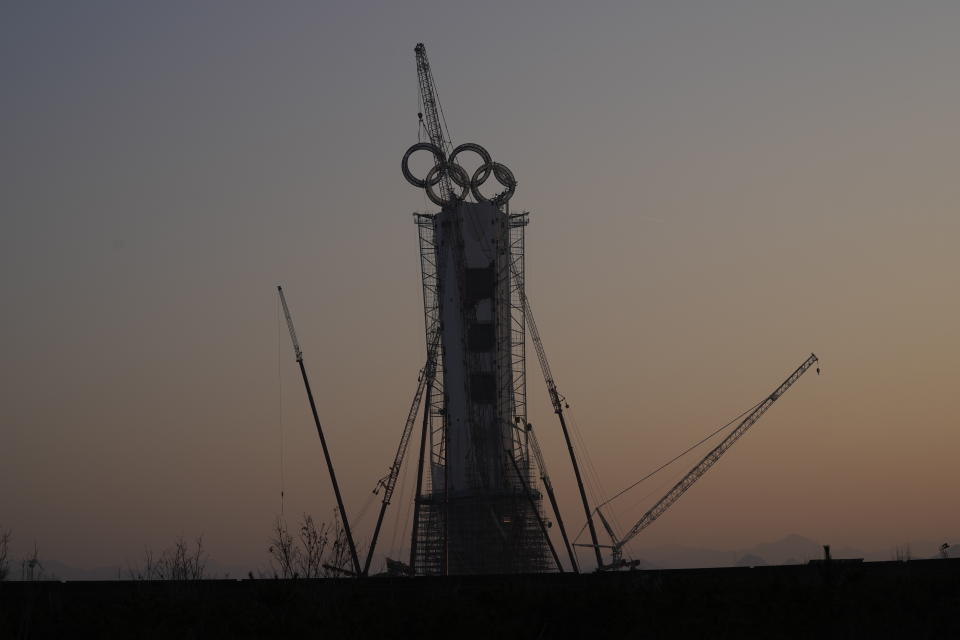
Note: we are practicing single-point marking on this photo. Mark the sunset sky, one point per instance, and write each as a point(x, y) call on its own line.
point(716, 190)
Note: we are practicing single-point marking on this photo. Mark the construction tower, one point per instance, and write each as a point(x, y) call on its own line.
point(478, 508)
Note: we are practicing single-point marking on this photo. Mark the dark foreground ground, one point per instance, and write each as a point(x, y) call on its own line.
point(916, 599)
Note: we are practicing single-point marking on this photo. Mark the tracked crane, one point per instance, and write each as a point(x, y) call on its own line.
point(389, 482)
point(701, 467)
point(298, 354)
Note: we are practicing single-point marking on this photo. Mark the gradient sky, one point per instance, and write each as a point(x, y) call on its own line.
point(717, 189)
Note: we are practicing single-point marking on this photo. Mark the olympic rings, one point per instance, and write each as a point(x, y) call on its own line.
point(444, 166)
point(457, 175)
point(477, 149)
point(503, 175)
point(438, 157)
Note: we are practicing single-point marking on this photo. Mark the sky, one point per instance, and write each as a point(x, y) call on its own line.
point(717, 189)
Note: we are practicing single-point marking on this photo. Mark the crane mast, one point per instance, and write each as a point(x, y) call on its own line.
point(389, 482)
point(430, 101)
point(298, 354)
point(431, 115)
point(548, 485)
point(557, 402)
point(704, 465)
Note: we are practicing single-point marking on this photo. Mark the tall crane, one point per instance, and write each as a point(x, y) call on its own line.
point(298, 354)
point(389, 481)
point(548, 485)
point(557, 401)
point(701, 467)
point(536, 511)
point(432, 115)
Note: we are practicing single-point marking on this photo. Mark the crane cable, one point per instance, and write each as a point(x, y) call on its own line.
point(443, 116)
point(667, 464)
point(280, 401)
point(691, 448)
point(591, 475)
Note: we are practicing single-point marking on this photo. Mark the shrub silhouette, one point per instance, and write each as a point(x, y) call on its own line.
point(318, 550)
point(179, 563)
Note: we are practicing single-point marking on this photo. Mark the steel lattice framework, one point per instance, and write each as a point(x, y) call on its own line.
point(518, 501)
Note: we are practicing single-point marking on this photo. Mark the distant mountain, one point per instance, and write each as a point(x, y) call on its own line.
point(792, 549)
point(751, 560)
point(795, 549)
point(680, 557)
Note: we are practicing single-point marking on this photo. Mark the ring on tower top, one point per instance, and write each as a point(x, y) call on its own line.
point(439, 158)
point(455, 183)
point(503, 175)
point(457, 175)
point(477, 149)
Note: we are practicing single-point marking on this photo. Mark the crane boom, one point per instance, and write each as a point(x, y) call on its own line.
point(298, 353)
point(708, 461)
point(536, 511)
point(431, 103)
point(389, 481)
point(548, 485)
point(432, 113)
point(557, 402)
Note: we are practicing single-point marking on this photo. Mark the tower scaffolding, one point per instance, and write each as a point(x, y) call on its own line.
point(474, 514)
